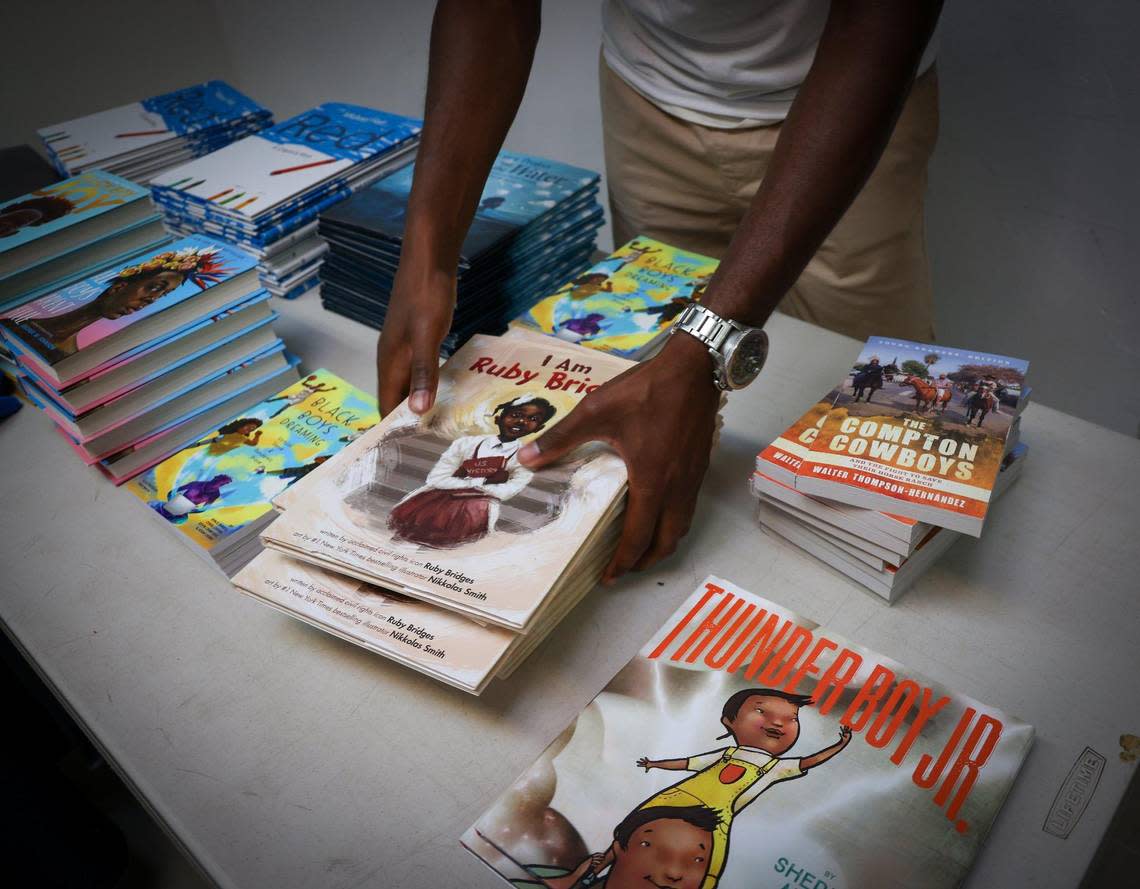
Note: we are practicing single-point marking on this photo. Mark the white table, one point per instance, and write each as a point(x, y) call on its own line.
point(279, 756)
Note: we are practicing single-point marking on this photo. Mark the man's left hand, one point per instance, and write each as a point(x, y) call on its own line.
point(660, 417)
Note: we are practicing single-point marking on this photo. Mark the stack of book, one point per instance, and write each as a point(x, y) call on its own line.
point(535, 226)
point(411, 542)
point(140, 140)
point(137, 361)
point(908, 452)
point(625, 304)
point(70, 230)
point(682, 771)
point(216, 491)
point(264, 192)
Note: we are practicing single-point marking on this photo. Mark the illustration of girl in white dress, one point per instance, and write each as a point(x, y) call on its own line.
point(459, 501)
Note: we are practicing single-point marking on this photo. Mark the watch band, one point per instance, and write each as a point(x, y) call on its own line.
point(704, 324)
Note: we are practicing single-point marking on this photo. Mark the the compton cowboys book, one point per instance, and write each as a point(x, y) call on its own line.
point(219, 485)
point(919, 430)
point(746, 746)
point(440, 508)
point(627, 302)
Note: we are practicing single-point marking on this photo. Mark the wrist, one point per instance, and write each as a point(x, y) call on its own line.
point(689, 357)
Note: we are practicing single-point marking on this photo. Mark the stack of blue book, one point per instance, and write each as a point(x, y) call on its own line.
point(135, 362)
point(536, 225)
point(69, 230)
point(140, 140)
point(264, 192)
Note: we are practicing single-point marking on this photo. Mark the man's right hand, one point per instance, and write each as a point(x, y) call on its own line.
point(418, 318)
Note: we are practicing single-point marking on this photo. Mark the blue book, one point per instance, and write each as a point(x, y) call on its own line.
point(325, 147)
point(73, 332)
point(43, 232)
point(520, 191)
point(195, 115)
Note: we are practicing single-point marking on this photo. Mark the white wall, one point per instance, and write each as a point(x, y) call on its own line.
point(1033, 216)
point(65, 58)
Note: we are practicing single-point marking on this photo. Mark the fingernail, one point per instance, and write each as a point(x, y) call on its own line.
point(530, 451)
point(420, 401)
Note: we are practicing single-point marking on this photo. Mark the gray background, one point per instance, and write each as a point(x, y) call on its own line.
point(1032, 209)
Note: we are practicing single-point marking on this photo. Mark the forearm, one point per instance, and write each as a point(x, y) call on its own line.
point(837, 128)
point(810, 762)
point(480, 60)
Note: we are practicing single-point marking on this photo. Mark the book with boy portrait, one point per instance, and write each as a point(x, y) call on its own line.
point(79, 329)
point(215, 488)
point(439, 507)
point(918, 430)
point(625, 303)
point(747, 747)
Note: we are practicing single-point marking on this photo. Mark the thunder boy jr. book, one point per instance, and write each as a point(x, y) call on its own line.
point(626, 303)
point(747, 747)
point(920, 430)
point(439, 507)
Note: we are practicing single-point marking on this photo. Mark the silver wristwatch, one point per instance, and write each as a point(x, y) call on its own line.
point(737, 351)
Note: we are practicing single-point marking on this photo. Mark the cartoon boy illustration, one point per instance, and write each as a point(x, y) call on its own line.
point(764, 724)
point(664, 846)
point(575, 330)
point(190, 498)
point(459, 501)
point(309, 386)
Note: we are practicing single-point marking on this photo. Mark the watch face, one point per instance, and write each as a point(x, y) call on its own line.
point(747, 358)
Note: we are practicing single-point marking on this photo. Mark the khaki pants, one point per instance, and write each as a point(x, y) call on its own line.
point(689, 186)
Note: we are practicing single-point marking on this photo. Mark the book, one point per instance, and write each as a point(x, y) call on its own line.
point(75, 331)
point(520, 190)
point(884, 573)
point(163, 356)
point(194, 117)
point(441, 644)
point(924, 441)
point(256, 176)
point(216, 491)
point(151, 450)
point(222, 386)
point(689, 768)
point(627, 302)
point(70, 226)
point(415, 506)
point(894, 536)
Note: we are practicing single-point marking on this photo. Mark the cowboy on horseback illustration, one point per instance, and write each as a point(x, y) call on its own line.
point(868, 378)
point(982, 400)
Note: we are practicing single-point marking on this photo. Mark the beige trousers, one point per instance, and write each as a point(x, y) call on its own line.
point(689, 185)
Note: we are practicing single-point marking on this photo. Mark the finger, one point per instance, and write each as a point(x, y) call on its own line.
point(392, 372)
point(676, 519)
point(424, 371)
point(641, 515)
point(577, 429)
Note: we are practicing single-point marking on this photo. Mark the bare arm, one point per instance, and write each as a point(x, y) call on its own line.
point(660, 415)
point(822, 756)
point(673, 765)
point(480, 61)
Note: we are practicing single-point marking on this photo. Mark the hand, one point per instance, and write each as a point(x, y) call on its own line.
point(844, 735)
point(659, 416)
point(498, 477)
point(459, 473)
point(646, 763)
point(419, 316)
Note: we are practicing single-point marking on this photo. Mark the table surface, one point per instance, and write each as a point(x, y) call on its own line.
point(280, 756)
